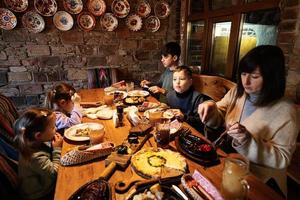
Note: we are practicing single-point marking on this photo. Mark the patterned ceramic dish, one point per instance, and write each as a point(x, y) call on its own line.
point(63, 21)
point(96, 7)
point(17, 5)
point(134, 22)
point(33, 22)
point(8, 20)
point(120, 8)
point(152, 23)
point(86, 21)
point(108, 22)
point(45, 7)
point(73, 6)
point(143, 9)
point(162, 9)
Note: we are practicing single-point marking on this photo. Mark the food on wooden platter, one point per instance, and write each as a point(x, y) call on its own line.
point(134, 100)
point(154, 163)
point(82, 132)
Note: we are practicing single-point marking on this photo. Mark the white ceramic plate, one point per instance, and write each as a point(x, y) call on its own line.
point(73, 6)
point(138, 93)
point(120, 8)
point(17, 5)
point(108, 22)
point(8, 20)
point(63, 21)
point(70, 132)
point(143, 9)
point(134, 22)
point(152, 24)
point(125, 94)
point(33, 22)
point(162, 9)
point(45, 7)
point(96, 7)
point(86, 21)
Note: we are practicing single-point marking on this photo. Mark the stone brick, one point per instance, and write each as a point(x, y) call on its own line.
point(30, 61)
point(142, 55)
point(19, 101)
point(149, 45)
point(293, 2)
point(107, 50)
point(288, 25)
point(32, 100)
point(30, 89)
point(293, 77)
point(10, 92)
point(13, 62)
point(63, 50)
point(286, 37)
point(19, 76)
point(40, 77)
point(3, 55)
point(17, 69)
point(72, 37)
point(16, 52)
point(96, 61)
point(38, 50)
point(87, 50)
point(50, 61)
point(148, 67)
point(17, 35)
point(129, 44)
point(74, 61)
point(120, 60)
point(76, 74)
point(53, 76)
point(290, 13)
point(3, 78)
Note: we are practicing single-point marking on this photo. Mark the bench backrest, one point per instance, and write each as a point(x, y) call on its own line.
point(213, 86)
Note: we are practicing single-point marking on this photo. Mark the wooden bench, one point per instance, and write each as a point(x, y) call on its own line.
point(213, 86)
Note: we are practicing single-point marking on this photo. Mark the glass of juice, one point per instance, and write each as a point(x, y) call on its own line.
point(96, 136)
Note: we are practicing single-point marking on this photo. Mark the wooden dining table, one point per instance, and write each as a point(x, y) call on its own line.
point(70, 178)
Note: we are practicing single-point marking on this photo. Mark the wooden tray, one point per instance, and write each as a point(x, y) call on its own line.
point(201, 161)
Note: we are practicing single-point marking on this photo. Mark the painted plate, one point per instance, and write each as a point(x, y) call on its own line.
point(96, 7)
point(134, 22)
point(108, 22)
point(152, 23)
point(73, 6)
point(70, 133)
point(17, 5)
point(143, 9)
point(86, 21)
point(120, 8)
point(45, 7)
point(8, 20)
point(162, 9)
point(63, 21)
point(33, 22)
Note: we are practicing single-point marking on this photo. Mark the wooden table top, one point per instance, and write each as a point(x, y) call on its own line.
point(70, 178)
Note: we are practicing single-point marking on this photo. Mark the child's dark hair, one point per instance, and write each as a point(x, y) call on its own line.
point(171, 48)
point(187, 70)
point(27, 125)
point(61, 91)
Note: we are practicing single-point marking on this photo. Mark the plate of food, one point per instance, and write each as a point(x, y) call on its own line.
point(16, 5)
point(80, 132)
point(138, 93)
point(134, 100)
point(118, 95)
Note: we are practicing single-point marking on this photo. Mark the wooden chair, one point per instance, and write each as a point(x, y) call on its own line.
point(213, 86)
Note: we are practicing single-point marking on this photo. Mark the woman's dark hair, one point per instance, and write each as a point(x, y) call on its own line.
point(61, 91)
point(171, 48)
point(270, 61)
point(187, 70)
point(27, 125)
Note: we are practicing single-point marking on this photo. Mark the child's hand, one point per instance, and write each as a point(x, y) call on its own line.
point(57, 140)
point(76, 98)
point(156, 89)
point(144, 83)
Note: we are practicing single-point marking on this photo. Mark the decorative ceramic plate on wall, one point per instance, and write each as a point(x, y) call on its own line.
point(8, 20)
point(134, 22)
point(120, 8)
point(17, 5)
point(45, 7)
point(96, 7)
point(143, 8)
point(86, 21)
point(33, 22)
point(73, 6)
point(108, 22)
point(162, 9)
point(152, 23)
point(63, 21)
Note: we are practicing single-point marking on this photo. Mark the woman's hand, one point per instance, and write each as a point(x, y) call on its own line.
point(156, 89)
point(57, 140)
point(239, 133)
point(144, 83)
point(206, 110)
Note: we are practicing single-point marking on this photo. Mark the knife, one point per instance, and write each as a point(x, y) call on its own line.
point(178, 191)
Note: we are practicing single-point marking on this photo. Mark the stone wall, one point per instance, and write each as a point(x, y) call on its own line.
point(31, 63)
point(289, 41)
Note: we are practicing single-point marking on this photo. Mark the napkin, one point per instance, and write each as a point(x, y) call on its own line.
point(134, 118)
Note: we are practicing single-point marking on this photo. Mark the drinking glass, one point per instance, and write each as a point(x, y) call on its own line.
point(129, 86)
point(109, 98)
point(96, 136)
point(234, 186)
point(162, 136)
point(155, 116)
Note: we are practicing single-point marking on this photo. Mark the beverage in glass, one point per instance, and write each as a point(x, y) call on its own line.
point(129, 86)
point(109, 98)
point(234, 186)
point(155, 116)
point(162, 136)
point(96, 136)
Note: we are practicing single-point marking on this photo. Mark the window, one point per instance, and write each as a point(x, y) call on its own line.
point(219, 33)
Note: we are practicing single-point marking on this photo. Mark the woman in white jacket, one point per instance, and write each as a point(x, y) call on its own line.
point(262, 123)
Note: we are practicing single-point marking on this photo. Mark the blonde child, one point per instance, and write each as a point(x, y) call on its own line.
point(64, 100)
point(40, 147)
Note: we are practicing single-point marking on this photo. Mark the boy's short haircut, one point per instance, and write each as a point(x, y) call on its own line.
point(187, 70)
point(171, 48)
